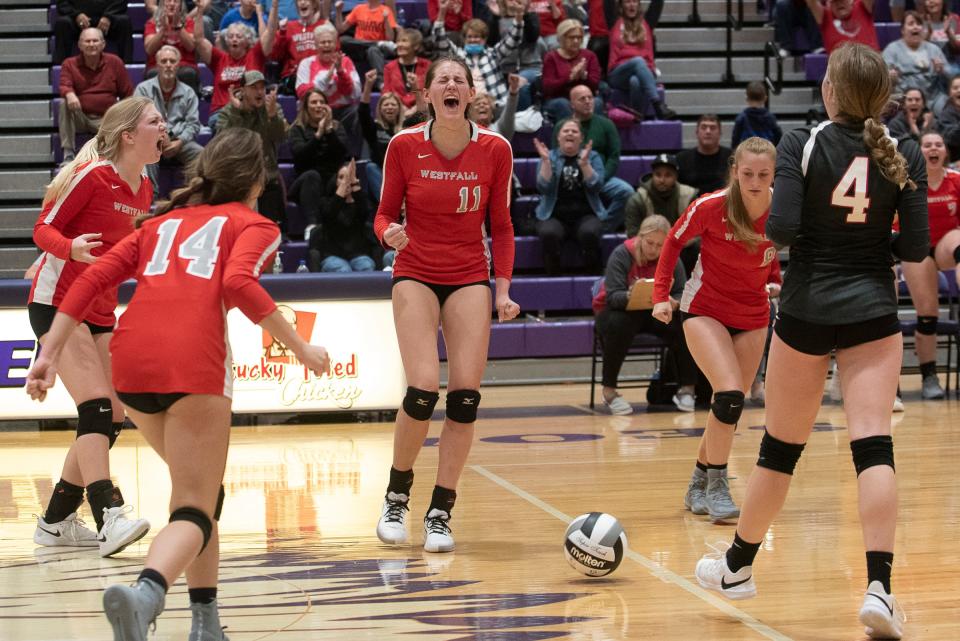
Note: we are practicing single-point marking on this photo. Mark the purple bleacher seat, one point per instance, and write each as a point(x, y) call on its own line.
point(887, 32)
point(558, 338)
point(528, 254)
point(506, 341)
point(542, 293)
point(138, 15)
point(293, 253)
point(523, 143)
point(815, 66)
point(413, 10)
point(139, 53)
point(652, 135)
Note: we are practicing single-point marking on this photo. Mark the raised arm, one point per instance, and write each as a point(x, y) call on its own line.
point(269, 35)
point(816, 9)
point(203, 46)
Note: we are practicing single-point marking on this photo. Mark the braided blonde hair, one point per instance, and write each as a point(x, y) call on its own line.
point(861, 85)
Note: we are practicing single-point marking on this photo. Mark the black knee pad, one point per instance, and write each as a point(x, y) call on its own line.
point(870, 451)
point(95, 417)
point(221, 495)
point(727, 406)
point(198, 518)
point(462, 405)
point(777, 455)
point(115, 429)
point(419, 404)
point(927, 325)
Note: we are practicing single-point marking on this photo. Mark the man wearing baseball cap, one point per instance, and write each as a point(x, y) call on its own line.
point(660, 193)
point(253, 107)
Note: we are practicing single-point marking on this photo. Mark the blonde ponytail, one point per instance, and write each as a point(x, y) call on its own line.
point(121, 117)
point(892, 164)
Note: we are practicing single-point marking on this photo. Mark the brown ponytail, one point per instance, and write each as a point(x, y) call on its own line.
point(738, 218)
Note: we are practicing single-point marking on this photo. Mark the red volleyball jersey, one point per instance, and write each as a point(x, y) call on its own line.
point(942, 206)
point(191, 266)
point(729, 280)
point(294, 43)
point(446, 203)
point(97, 200)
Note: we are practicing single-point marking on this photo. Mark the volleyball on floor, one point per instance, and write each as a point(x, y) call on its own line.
point(595, 544)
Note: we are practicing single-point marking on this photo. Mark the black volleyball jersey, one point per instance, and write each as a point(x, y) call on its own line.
point(835, 210)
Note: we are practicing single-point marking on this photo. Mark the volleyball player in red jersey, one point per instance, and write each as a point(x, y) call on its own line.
point(838, 186)
point(199, 256)
point(725, 307)
point(450, 173)
point(943, 198)
point(88, 208)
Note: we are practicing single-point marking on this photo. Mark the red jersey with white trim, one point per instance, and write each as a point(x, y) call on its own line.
point(446, 204)
point(191, 265)
point(729, 280)
point(97, 200)
point(942, 205)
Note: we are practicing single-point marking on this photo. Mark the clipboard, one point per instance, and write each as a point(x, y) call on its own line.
point(641, 295)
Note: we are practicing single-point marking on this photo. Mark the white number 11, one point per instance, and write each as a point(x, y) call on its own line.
point(465, 196)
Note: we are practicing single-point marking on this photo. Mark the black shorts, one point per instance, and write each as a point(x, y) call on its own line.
point(820, 340)
point(442, 292)
point(150, 402)
point(733, 331)
point(41, 318)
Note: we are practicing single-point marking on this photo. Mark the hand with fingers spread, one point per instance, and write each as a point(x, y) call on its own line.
point(82, 246)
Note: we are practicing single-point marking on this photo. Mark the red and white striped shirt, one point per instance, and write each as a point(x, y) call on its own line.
point(342, 88)
point(97, 200)
point(191, 265)
point(446, 203)
point(729, 280)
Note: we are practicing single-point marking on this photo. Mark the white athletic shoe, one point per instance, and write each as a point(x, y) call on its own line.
point(118, 531)
point(897, 404)
point(714, 574)
point(618, 406)
point(881, 614)
point(391, 528)
point(437, 536)
point(205, 623)
point(684, 401)
point(71, 531)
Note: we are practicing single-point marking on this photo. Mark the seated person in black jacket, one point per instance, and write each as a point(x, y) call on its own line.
point(319, 145)
point(109, 16)
point(378, 131)
point(346, 242)
point(637, 259)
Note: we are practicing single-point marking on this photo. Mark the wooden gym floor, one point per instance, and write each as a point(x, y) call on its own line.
point(301, 561)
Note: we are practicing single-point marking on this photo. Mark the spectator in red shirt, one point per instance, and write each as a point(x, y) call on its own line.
point(375, 30)
point(296, 42)
point(845, 20)
point(632, 69)
point(551, 13)
point(567, 67)
point(90, 83)
point(600, 15)
point(242, 51)
point(458, 13)
point(109, 16)
point(405, 75)
point(171, 25)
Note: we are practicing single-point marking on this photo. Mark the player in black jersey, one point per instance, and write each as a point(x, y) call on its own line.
point(836, 190)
